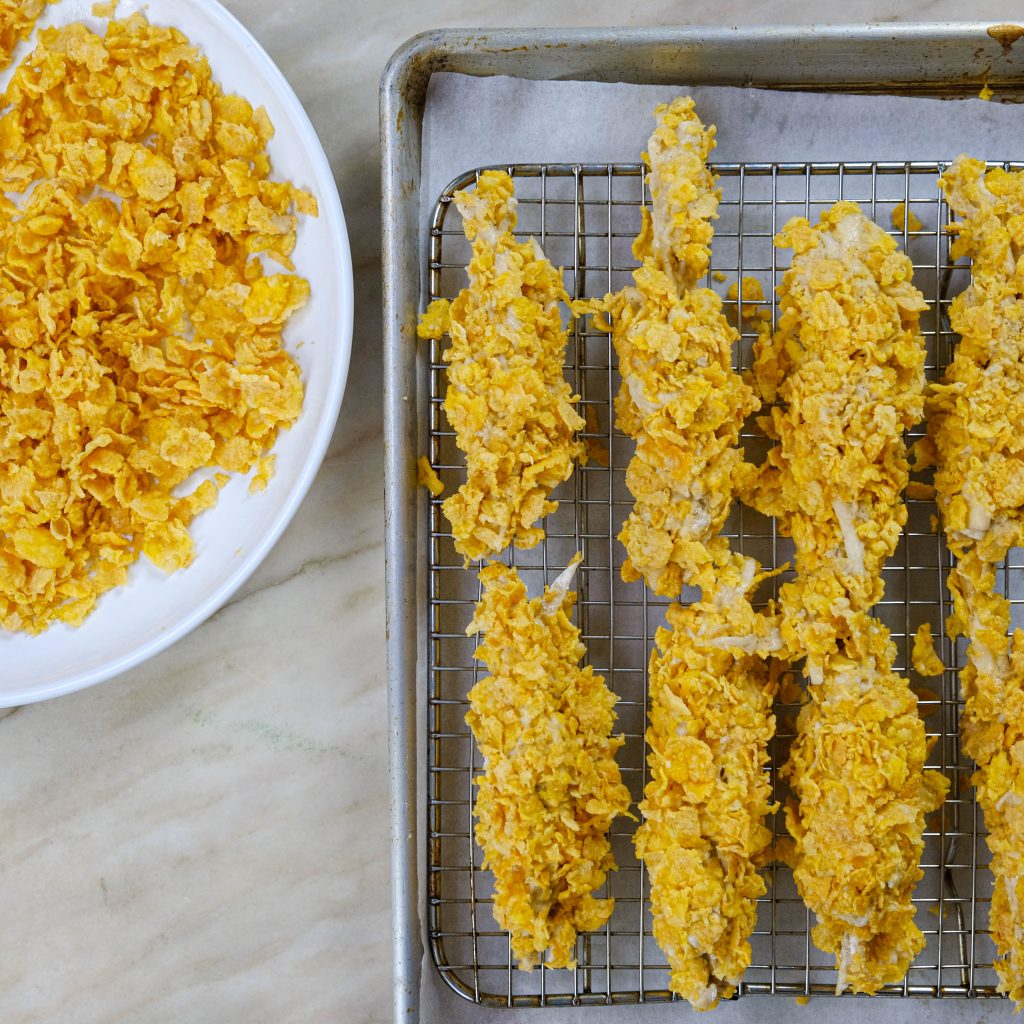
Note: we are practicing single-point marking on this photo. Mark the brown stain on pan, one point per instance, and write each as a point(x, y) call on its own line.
point(1006, 35)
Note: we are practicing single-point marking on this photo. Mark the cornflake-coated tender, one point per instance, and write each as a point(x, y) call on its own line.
point(704, 837)
point(846, 366)
point(680, 398)
point(141, 336)
point(978, 449)
point(508, 402)
point(550, 787)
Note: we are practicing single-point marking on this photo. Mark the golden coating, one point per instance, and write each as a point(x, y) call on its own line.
point(846, 366)
point(140, 341)
point(511, 409)
point(704, 835)
point(550, 788)
point(857, 771)
point(680, 398)
point(978, 450)
point(17, 19)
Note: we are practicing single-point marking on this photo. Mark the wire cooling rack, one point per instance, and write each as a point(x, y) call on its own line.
point(586, 217)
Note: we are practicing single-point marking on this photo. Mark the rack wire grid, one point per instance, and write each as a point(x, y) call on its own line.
point(585, 217)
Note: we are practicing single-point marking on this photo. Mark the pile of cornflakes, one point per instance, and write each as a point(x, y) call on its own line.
point(140, 336)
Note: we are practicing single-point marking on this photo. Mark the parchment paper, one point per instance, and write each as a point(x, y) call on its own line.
point(471, 122)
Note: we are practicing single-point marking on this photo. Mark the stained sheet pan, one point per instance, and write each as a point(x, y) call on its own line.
point(932, 60)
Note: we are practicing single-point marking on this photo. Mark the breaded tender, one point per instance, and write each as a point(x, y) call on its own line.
point(508, 402)
point(704, 835)
point(857, 771)
point(680, 398)
point(977, 445)
point(550, 787)
point(975, 413)
point(846, 369)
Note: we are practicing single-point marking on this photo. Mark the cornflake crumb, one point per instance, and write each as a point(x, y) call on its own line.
point(904, 219)
point(749, 288)
point(926, 661)
point(920, 491)
point(264, 472)
point(17, 19)
point(596, 451)
point(427, 477)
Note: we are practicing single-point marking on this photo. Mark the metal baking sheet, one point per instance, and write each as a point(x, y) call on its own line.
point(937, 59)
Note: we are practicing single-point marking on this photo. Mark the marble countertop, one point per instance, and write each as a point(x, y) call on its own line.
point(205, 839)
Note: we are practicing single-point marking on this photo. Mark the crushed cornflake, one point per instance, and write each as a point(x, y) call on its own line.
point(426, 476)
point(926, 661)
point(904, 219)
point(748, 292)
point(17, 19)
point(140, 339)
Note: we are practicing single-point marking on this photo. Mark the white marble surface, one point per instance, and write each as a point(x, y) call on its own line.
point(205, 839)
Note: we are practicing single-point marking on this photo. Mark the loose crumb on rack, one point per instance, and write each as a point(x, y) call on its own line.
point(596, 451)
point(926, 661)
point(904, 219)
point(750, 292)
point(426, 476)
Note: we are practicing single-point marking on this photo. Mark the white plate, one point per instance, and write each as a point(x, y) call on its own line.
point(153, 610)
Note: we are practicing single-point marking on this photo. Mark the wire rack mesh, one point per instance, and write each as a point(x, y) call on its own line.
point(585, 217)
